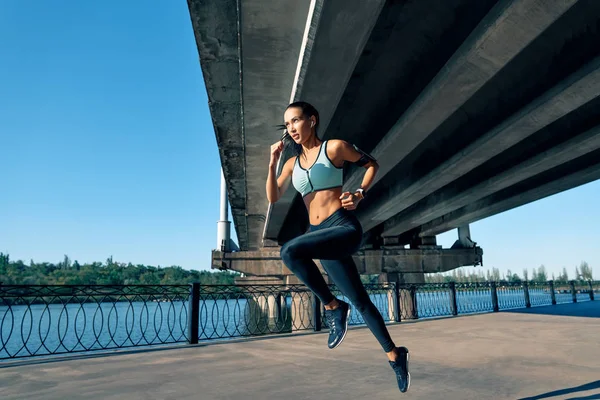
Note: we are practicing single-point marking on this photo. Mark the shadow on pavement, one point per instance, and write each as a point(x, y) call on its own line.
point(589, 309)
point(581, 388)
point(592, 397)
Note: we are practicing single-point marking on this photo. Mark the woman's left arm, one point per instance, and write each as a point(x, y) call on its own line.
point(346, 152)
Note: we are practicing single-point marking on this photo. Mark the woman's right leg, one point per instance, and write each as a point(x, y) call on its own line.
point(345, 275)
point(302, 265)
point(326, 243)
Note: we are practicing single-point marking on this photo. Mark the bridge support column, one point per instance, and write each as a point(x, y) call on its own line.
point(464, 238)
point(402, 302)
point(393, 297)
point(224, 242)
point(303, 312)
point(266, 310)
point(267, 313)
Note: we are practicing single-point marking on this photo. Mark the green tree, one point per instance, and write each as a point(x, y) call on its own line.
point(496, 274)
point(585, 271)
point(542, 275)
point(96, 273)
point(564, 276)
point(4, 260)
point(66, 264)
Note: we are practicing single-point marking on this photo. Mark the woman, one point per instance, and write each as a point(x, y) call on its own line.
point(334, 233)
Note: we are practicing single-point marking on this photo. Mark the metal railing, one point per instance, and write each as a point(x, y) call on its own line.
point(43, 320)
point(48, 320)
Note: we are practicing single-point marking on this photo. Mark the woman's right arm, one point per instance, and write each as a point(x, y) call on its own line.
point(276, 187)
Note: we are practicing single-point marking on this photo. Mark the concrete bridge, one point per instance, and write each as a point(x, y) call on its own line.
point(471, 107)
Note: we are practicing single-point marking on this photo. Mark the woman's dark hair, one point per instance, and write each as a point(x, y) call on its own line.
point(308, 110)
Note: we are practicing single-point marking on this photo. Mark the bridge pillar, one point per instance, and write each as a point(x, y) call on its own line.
point(464, 238)
point(266, 310)
point(404, 297)
point(392, 294)
point(302, 312)
point(266, 314)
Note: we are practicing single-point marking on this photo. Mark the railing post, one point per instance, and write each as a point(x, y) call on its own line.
point(279, 310)
point(573, 293)
point(397, 313)
point(591, 290)
point(453, 305)
point(413, 295)
point(193, 313)
point(526, 294)
point(552, 292)
point(494, 296)
point(316, 313)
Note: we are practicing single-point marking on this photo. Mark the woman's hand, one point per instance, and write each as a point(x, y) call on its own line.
point(276, 149)
point(350, 200)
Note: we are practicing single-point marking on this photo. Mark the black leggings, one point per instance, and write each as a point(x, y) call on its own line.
point(333, 242)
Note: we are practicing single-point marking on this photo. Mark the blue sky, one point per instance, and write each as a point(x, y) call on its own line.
point(108, 147)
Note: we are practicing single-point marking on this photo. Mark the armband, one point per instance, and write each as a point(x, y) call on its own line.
point(364, 157)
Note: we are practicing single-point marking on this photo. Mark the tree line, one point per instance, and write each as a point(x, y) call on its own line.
point(583, 272)
point(68, 272)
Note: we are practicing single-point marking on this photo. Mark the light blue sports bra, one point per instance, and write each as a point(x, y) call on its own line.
point(320, 176)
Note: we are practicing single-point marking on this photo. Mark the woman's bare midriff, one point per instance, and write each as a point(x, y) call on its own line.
point(322, 204)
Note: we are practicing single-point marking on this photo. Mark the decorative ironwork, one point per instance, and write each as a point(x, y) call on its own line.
point(539, 294)
point(474, 297)
point(433, 300)
point(382, 296)
point(510, 295)
point(562, 292)
point(595, 289)
point(582, 291)
point(43, 320)
point(228, 311)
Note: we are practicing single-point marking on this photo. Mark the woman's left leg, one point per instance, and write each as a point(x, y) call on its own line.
point(345, 275)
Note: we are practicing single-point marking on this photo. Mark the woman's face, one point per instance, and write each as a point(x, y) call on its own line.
point(298, 125)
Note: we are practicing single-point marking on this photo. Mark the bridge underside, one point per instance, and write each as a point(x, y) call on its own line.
point(471, 107)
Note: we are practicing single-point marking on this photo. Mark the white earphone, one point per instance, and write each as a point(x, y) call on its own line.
point(312, 124)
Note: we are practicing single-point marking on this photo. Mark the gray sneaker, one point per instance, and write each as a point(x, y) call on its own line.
point(338, 324)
